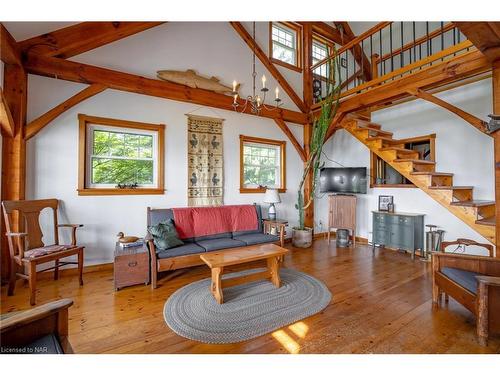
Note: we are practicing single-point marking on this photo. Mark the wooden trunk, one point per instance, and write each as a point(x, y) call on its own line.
point(131, 266)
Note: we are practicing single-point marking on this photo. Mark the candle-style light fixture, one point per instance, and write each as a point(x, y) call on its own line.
point(256, 101)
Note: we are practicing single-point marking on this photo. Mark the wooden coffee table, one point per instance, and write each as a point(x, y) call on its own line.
point(217, 260)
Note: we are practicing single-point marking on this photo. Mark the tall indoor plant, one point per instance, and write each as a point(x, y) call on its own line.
point(302, 235)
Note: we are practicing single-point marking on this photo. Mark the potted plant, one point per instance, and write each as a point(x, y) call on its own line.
point(301, 235)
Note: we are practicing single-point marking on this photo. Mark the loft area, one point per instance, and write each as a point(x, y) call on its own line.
point(250, 187)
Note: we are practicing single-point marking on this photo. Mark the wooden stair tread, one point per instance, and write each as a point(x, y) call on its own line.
point(491, 221)
point(443, 174)
point(445, 187)
point(474, 203)
point(374, 129)
point(416, 161)
point(399, 149)
point(385, 139)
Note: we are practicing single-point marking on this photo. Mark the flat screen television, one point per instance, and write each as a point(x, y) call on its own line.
point(343, 180)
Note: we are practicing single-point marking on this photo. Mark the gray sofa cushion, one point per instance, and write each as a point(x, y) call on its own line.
point(466, 279)
point(256, 238)
point(187, 249)
point(213, 236)
point(220, 243)
point(259, 221)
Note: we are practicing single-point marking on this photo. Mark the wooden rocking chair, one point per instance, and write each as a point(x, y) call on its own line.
point(27, 249)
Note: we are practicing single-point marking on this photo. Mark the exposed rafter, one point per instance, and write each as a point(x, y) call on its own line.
point(484, 35)
point(243, 33)
point(9, 49)
point(39, 123)
point(6, 120)
point(284, 127)
point(83, 73)
point(85, 36)
point(471, 119)
point(326, 31)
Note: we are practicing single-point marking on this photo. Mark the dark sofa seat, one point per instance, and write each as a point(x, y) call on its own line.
point(256, 238)
point(186, 249)
point(466, 279)
point(220, 243)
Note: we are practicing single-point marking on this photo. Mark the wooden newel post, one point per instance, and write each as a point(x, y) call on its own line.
point(374, 64)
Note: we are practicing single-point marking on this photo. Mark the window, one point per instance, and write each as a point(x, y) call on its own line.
point(285, 44)
point(320, 52)
point(262, 164)
point(120, 157)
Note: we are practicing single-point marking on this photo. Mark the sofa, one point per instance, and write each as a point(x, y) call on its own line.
point(188, 255)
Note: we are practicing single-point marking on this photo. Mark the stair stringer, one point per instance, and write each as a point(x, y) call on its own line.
point(468, 215)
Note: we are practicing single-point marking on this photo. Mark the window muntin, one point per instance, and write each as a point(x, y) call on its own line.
point(261, 165)
point(284, 44)
point(117, 155)
point(320, 52)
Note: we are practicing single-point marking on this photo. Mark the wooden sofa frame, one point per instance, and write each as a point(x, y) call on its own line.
point(178, 262)
point(486, 304)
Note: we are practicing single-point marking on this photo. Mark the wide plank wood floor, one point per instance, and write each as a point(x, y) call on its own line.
point(381, 304)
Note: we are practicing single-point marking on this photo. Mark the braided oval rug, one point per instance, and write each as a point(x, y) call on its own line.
point(249, 310)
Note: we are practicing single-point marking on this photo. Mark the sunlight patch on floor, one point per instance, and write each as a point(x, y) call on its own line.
point(288, 343)
point(300, 329)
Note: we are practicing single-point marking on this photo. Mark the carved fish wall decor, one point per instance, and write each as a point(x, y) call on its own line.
point(191, 79)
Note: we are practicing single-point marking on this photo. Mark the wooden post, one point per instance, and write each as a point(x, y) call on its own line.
point(496, 137)
point(13, 151)
point(308, 101)
point(374, 59)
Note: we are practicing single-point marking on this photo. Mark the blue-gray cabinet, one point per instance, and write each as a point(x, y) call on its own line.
point(398, 230)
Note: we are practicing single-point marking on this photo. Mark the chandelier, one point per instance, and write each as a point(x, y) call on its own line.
point(255, 101)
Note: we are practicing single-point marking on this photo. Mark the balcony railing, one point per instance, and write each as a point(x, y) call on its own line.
point(387, 51)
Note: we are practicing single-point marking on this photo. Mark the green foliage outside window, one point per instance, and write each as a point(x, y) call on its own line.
point(260, 165)
point(122, 158)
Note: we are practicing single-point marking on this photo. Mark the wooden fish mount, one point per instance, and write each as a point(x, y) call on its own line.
point(191, 79)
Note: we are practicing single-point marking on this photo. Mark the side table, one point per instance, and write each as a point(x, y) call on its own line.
point(276, 226)
point(131, 266)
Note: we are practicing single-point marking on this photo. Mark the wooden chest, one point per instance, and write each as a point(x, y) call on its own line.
point(131, 266)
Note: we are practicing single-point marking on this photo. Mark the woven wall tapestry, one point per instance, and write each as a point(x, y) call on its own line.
point(205, 161)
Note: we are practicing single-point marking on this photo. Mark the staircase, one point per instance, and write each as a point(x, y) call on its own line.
point(459, 200)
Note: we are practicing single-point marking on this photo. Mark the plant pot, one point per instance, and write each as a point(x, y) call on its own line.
point(302, 237)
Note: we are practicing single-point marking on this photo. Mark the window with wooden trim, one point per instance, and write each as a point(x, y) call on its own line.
point(262, 164)
point(120, 157)
point(320, 52)
point(285, 44)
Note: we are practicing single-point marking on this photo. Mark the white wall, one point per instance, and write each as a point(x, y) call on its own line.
point(210, 48)
point(460, 149)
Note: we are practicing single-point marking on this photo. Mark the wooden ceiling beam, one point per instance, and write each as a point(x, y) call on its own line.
point(83, 73)
point(471, 119)
point(284, 127)
point(6, 120)
point(9, 50)
point(252, 44)
point(39, 123)
point(484, 35)
point(326, 31)
point(85, 36)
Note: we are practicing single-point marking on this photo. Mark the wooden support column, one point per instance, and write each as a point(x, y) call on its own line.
point(308, 101)
point(496, 137)
point(13, 150)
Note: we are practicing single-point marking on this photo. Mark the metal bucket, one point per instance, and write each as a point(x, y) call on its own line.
point(342, 238)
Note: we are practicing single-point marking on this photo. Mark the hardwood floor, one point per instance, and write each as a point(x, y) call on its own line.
point(381, 304)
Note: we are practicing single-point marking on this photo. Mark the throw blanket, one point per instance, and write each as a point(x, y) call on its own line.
point(205, 221)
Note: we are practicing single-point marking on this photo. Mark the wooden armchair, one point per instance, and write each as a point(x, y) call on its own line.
point(27, 249)
point(43, 329)
point(473, 281)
